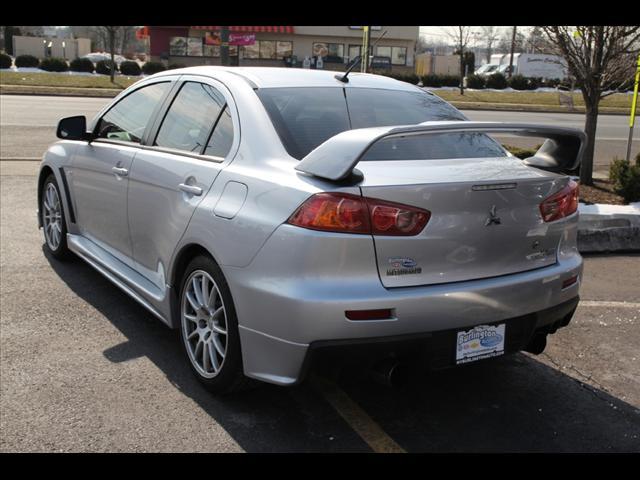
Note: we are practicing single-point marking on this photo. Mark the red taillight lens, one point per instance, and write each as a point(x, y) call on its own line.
point(395, 219)
point(333, 212)
point(346, 213)
point(561, 204)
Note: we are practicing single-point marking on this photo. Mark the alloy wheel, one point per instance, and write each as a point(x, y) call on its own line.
point(204, 323)
point(52, 217)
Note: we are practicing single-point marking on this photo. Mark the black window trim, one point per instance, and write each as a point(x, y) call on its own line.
point(161, 114)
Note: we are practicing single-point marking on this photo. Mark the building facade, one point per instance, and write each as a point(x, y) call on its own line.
point(42, 47)
point(282, 46)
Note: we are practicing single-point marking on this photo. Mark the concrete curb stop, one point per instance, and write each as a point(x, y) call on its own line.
point(609, 228)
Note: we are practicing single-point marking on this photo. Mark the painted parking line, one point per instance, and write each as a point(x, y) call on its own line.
point(598, 303)
point(356, 417)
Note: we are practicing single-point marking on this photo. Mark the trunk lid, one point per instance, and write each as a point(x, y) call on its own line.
point(485, 218)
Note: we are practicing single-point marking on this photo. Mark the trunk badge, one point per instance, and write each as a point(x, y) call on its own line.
point(493, 219)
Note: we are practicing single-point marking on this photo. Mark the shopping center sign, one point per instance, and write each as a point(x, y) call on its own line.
point(213, 38)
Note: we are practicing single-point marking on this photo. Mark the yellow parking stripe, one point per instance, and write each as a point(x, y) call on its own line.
point(356, 417)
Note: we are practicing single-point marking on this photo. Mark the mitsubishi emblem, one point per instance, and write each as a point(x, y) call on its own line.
point(493, 218)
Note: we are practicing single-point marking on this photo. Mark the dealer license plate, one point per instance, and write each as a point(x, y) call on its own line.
point(482, 341)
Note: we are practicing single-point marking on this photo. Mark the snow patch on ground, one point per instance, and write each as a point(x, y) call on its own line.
point(607, 209)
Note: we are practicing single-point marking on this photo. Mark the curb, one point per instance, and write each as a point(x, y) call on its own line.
point(37, 90)
point(609, 233)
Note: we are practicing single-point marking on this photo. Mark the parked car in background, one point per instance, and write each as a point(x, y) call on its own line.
point(274, 214)
point(487, 69)
point(96, 57)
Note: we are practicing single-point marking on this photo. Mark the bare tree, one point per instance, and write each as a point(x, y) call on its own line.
point(110, 33)
point(491, 36)
point(601, 59)
point(460, 36)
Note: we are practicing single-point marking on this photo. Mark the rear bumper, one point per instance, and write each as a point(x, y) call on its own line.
point(283, 314)
point(436, 350)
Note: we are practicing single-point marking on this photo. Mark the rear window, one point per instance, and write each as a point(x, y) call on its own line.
point(305, 117)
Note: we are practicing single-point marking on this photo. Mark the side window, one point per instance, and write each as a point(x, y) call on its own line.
point(222, 137)
point(190, 118)
point(128, 119)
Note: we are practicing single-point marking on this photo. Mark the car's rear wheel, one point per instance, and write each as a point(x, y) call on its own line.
point(53, 219)
point(209, 328)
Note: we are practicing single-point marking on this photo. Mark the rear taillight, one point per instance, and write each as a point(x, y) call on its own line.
point(561, 204)
point(346, 213)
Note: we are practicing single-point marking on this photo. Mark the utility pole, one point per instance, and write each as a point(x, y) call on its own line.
point(224, 45)
point(633, 110)
point(513, 46)
point(366, 40)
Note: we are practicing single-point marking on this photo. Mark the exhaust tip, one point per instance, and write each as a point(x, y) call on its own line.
point(537, 344)
point(390, 373)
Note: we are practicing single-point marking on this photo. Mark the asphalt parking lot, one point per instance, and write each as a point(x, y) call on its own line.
point(84, 368)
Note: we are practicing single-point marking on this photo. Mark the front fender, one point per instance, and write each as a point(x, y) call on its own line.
point(57, 157)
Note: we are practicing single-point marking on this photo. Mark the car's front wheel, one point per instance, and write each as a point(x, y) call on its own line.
point(53, 219)
point(209, 328)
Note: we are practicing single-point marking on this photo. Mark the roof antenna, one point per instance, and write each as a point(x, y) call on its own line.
point(343, 78)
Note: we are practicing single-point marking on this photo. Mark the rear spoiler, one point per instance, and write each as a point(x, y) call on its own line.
point(336, 158)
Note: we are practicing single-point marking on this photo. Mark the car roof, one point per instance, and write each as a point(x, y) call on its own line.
point(269, 77)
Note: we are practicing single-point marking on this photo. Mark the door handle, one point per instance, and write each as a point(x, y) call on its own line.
point(122, 172)
point(191, 189)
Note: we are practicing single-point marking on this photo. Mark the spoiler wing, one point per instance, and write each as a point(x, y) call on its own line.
point(336, 158)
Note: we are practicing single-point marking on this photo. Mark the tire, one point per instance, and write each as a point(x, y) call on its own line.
point(214, 357)
point(54, 221)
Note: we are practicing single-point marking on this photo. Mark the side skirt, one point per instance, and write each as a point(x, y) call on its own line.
point(125, 278)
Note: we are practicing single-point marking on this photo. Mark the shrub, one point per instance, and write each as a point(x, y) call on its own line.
point(130, 68)
point(518, 82)
point(81, 65)
point(54, 64)
point(5, 60)
point(27, 61)
point(104, 67)
point(173, 66)
point(626, 178)
point(450, 80)
point(476, 81)
point(411, 78)
point(433, 80)
point(522, 153)
point(150, 68)
point(497, 81)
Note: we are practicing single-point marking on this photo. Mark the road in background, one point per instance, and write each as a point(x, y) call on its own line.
point(28, 125)
point(83, 367)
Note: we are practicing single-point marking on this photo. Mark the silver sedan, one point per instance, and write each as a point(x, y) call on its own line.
point(272, 215)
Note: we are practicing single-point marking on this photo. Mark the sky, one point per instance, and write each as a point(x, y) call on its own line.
point(439, 33)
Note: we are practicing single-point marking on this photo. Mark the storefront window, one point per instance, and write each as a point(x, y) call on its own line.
point(267, 49)
point(195, 47)
point(399, 55)
point(211, 51)
point(320, 50)
point(383, 51)
point(252, 51)
point(284, 49)
point(354, 51)
point(178, 46)
point(330, 52)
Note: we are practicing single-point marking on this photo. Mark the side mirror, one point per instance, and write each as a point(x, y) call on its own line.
point(73, 128)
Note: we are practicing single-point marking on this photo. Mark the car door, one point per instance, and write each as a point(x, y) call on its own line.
point(100, 169)
point(174, 172)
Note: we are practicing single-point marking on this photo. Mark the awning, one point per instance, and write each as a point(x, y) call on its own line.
point(258, 29)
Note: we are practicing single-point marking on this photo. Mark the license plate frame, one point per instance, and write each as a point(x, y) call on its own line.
point(480, 342)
